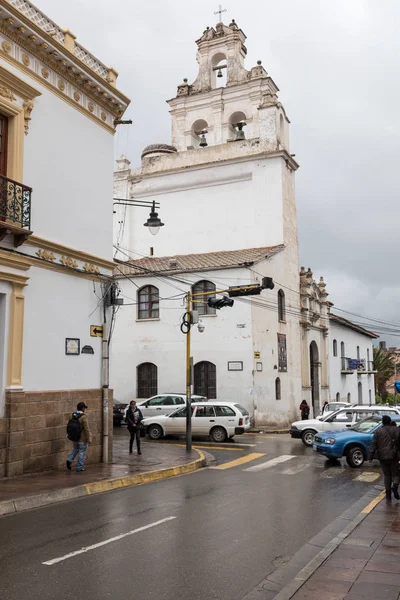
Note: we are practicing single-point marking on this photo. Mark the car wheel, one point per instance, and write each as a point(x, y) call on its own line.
point(155, 432)
point(355, 457)
point(308, 437)
point(218, 434)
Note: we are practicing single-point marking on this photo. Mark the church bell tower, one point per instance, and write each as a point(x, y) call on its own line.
point(226, 102)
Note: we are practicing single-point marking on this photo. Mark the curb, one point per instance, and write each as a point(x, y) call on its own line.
point(284, 582)
point(266, 431)
point(291, 588)
point(8, 507)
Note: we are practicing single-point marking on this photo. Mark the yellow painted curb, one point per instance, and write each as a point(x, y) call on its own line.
point(373, 503)
point(239, 461)
point(149, 476)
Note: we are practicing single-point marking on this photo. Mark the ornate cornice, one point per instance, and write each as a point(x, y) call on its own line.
point(53, 248)
point(56, 66)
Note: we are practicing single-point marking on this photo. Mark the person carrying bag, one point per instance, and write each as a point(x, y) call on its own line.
point(134, 419)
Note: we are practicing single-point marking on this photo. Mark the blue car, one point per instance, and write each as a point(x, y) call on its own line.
point(353, 443)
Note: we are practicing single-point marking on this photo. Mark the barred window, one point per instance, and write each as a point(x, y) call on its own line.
point(146, 380)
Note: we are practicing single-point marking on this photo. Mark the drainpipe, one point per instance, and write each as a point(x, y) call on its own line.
point(106, 385)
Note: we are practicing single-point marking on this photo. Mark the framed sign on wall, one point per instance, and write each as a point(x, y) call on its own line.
point(235, 365)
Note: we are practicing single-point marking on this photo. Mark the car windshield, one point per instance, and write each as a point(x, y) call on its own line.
point(366, 425)
point(244, 412)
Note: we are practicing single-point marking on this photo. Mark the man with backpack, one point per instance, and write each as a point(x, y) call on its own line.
point(79, 433)
point(386, 442)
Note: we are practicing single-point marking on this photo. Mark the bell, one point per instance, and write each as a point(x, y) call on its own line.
point(219, 74)
point(240, 133)
point(203, 141)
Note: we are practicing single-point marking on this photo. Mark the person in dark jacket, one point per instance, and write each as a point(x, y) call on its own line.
point(304, 410)
point(386, 442)
point(134, 418)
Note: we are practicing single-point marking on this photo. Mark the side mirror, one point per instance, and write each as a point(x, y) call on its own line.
point(328, 420)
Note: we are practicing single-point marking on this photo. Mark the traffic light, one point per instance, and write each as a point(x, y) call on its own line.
point(219, 302)
point(253, 289)
point(267, 283)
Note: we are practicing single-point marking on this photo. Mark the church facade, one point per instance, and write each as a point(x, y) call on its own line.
point(225, 186)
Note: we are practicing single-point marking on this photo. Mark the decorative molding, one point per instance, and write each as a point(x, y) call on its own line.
point(28, 107)
point(67, 261)
point(45, 244)
point(61, 85)
point(6, 93)
point(13, 260)
point(68, 65)
point(7, 47)
point(77, 96)
point(45, 80)
point(14, 278)
point(26, 60)
point(45, 255)
point(91, 268)
point(18, 86)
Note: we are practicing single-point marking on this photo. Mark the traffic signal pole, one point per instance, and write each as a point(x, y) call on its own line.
point(233, 291)
point(188, 383)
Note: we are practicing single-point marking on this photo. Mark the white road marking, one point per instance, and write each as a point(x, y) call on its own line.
point(53, 561)
point(270, 463)
point(296, 469)
point(367, 476)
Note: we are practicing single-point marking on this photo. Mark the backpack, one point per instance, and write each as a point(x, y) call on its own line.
point(74, 428)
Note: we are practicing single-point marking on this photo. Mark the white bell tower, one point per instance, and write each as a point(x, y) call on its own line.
point(205, 114)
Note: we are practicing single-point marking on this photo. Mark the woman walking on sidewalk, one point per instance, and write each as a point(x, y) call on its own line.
point(134, 418)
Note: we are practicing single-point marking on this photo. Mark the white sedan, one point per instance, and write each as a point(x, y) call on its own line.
point(220, 420)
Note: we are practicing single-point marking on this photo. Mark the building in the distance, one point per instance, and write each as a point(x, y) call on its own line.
point(58, 104)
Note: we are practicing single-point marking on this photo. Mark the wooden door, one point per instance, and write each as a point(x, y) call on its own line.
point(3, 144)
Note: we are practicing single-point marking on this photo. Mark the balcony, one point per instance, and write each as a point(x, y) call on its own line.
point(15, 210)
point(353, 365)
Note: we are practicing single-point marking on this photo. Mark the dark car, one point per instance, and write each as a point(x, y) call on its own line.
point(118, 412)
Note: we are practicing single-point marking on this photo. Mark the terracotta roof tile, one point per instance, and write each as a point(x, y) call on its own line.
point(346, 323)
point(182, 263)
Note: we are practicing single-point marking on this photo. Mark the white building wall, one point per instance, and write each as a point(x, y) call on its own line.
point(347, 386)
point(68, 162)
point(220, 207)
point(59, 306)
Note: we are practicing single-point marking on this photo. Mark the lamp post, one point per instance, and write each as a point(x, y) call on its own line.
point(153, 222)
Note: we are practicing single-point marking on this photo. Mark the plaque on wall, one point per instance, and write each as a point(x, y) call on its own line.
point(72, 346)
point(235, 365)
point(282, 354)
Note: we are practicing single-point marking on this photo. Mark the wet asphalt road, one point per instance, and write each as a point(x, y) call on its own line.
point(231, 528)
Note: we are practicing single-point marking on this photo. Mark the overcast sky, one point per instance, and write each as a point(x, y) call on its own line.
point(337, 66)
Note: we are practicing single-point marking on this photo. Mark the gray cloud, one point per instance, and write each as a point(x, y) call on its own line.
point(336, 65)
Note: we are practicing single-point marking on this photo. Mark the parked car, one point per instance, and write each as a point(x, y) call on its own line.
point(219, 420)
point(341, 419)
point(164, 404)
point(119, 409)
point(333, 407)
point(353, 443)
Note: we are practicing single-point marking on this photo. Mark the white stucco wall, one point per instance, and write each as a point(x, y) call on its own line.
point(349, 384)
point(58, 306)
point(233, 334)
point(68, 161)
point(221, 207)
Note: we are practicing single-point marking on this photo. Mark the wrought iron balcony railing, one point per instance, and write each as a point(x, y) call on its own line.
point(15, 202)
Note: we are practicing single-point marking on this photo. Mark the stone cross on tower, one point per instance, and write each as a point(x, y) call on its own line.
point(219, 12)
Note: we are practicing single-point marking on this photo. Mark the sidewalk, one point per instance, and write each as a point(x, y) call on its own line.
point(156, 462)
point(365, 566)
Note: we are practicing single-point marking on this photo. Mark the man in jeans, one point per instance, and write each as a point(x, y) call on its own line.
point(80, 447)
point(386, 442)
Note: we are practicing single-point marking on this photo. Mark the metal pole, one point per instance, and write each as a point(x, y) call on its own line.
point(105, 386)
point(395, 377)
point(188, 384)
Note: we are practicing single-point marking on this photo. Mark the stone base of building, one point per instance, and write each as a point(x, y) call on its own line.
point(33, 432)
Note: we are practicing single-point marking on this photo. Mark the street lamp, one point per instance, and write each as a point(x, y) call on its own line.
point(153, 222)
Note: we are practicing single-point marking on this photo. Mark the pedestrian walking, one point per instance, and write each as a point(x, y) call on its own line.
point(386, 442)
point(134, 418)
point(304, 410)
point(79, 433)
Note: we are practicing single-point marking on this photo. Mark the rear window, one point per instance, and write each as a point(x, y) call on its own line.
point(224, 411)
point(244, 412)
